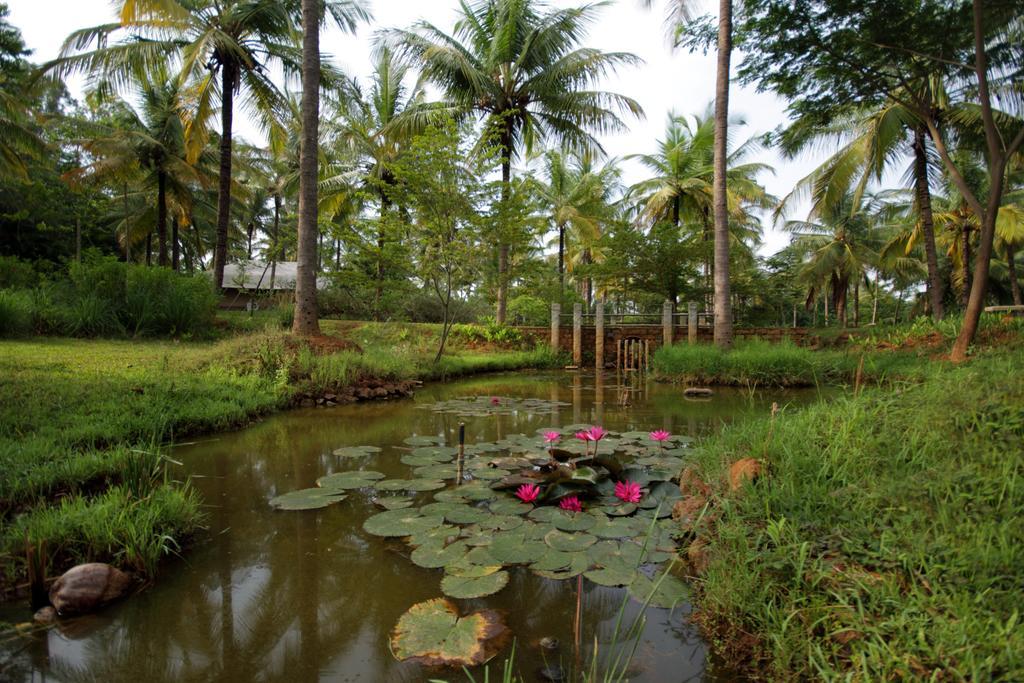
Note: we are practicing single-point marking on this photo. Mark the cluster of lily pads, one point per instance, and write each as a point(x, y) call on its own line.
point(481, 406)
point(561, 503)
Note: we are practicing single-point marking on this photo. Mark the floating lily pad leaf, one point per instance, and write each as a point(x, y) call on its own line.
point(453, 495)
point(489, 473)
point(615, 528)
point(396, 523)
point(553, 560)
point(620, 510)
point(394, 502)
point(432, 633)
point(580, 563)
point(435, 556)
point(436, 472)
point(481, 557)
point(468, 570)
point(509, 506)
point(611, 576)
point(439, 508)
point(636, 436)
point(476, 492)
point(419, 460)
point(572, 521)
point(425, 440)
point(307, 499)
point(667, 591)
point(487, 448)
point(438, 453)
point(585, 474)
point(613, 554)
point(466, 514)
point(544, 514)
point(476, 536)
point(578, 427)
point(409, 485)
point(473, 587)
point(440, 535)
point(512, 547)
point(501, 522)
point(560, 540)
point(344, 481)
point(356, 451)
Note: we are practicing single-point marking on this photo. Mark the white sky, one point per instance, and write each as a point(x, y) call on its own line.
point(666, 81)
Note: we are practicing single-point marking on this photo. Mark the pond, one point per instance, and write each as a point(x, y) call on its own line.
point(274, 595)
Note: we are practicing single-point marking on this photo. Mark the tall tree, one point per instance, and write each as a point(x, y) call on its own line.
point(518, 65)
point(820, 55)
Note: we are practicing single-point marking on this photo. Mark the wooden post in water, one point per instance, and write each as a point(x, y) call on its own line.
point(599, 335)
point(556, 315)
point(618, 354)
point(691, 322)
point(577, 334)
point(647, 355)
point(666, 323)
point(462, 453)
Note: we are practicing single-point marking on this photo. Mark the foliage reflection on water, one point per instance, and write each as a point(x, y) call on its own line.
point(272, 596)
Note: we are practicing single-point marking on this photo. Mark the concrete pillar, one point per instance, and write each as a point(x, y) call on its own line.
point(666, 323)
point(577, 334)
point(599, 335)
point(691, 322)
point(556, 315)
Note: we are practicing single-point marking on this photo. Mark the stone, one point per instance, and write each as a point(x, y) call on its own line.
point(551, 673)
point(687, 510)
point(45, 616)
point(89, 587)
point(698, 391)
point(691, 483)
point(330, 404)
point(549, 643)
point(697, 556)
point(746, 469)
point(307, 403)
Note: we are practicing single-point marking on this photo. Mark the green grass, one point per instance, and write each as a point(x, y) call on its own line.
point(886, 539)
point(75, 414)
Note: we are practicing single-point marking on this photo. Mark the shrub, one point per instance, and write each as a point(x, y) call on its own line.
point(159, 301)
point(16, 274)
point(15, 313)
point(89, 315)
point(490, 333)
point(529, 310)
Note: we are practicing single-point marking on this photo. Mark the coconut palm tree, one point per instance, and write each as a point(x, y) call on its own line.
point(519, 66)
point(681, 187)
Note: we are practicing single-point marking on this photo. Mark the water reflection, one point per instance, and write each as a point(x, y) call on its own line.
point(278, 596)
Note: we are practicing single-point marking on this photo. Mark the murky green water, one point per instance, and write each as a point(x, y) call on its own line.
point(303, 596)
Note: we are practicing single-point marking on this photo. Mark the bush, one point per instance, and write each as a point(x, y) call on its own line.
point(159, 301)
point(17, 274)
point(750, 363)
point(529, 310)
point(89, 315)
point(15, 313)
point(490, 333)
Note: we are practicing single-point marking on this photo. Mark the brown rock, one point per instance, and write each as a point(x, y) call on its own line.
point(691, 484)
point(380, 392)
point(687, 510)
point(45, 616)
point(697, 555)
point(743, 470)
point(88, 587)
point(307, 403)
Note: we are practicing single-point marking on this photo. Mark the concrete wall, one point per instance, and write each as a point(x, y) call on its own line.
point(653, 333)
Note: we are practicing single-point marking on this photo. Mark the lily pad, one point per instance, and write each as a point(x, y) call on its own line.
point(572, 521)
point(508, 506)
point(432, 633)
point(344, 481)
point(356, 451)
point(512, 547)
point(473, 587)
point(397, 523)
point(393, 502)
point(560, 540)
point(424, 440)
point(580, 563)
point(307, 499)
point(611, 576)
point(501, 522)
point(663, 591)
point(431, 556)
point(409, 485)
point(466, 514)
point(553, 560)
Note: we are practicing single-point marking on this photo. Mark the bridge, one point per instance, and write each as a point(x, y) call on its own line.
point(627, 340)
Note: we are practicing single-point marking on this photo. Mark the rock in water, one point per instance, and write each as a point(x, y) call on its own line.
point(88, 587)
point(45, 616)
point(551, 673)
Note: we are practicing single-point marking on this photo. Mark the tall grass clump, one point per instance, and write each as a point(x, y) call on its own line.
point(884, 540)
point(750, 363)
point(15, 313)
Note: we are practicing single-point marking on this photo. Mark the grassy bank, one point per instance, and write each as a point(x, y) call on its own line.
point(81, 419)
point(885, 539)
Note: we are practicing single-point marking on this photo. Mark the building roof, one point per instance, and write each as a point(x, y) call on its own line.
point(252, 275)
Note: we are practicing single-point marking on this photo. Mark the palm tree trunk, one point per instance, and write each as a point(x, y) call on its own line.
point(379, 292)
point(856, 303)
point(227, 104)
point(723, 302)
point(127, 229)
point(161, 218)
point(273, 240)
point(561, 256)
point(305, 321)
point(503, 249)
point(924, 206)
point(1011, 268)
point(965, 266)
point(175, 247)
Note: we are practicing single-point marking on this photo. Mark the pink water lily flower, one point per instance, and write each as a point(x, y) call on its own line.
point(571, 504)
point(528, 493)
point(628, 491)
point(551, 437)
point(597, 433)
point(584, 436)
point(495, 401)
point(660, 435)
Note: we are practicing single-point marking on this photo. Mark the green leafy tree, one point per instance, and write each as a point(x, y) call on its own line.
point(519, 66)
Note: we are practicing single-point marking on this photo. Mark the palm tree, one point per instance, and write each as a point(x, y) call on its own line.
point(681, 187)
point(368, 131)
point(871, 140)
point(220, 48)
point(518, 66)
